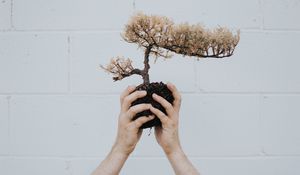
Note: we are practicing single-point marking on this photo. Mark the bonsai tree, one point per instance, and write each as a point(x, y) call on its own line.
point(159, 37)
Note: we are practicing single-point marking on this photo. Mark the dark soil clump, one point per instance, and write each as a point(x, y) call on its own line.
point(160, 89)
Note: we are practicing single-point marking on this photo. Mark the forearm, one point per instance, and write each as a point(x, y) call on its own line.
point(181, 163)
point(112, 164)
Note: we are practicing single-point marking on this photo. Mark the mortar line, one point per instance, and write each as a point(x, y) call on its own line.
point(265, 30)
point(150, 157)
point(69, 63)
point(260, 125)
point(226, 157)
point(261, 11)
point(183, 92)
point(65, 30)
point(248, 93)
point(97, 31)
point(272, 31)
point(11, 14)
point(9, 124)
point(197, 84)
point(134, 5)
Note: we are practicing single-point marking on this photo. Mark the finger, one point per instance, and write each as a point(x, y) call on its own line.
point(137, 109)
point(141, 120)
point(176, 95)
point(126, 92)
point(168, 106)
point(162, 117)
point(131, 98)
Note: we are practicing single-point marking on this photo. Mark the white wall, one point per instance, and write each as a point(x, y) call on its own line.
point(58, 109)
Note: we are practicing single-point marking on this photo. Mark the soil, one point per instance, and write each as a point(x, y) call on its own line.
point(160, 89)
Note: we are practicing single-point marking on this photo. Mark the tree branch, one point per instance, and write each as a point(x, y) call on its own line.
point(124, 75)
point(121, 68)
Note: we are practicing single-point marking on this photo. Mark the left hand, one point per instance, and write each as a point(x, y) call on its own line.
point(167, 134)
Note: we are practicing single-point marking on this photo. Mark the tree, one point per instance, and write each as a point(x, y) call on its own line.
point(158, 36)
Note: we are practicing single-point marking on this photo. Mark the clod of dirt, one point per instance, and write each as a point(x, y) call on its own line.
point(160, 89)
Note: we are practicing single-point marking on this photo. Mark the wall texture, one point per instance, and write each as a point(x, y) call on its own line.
point(58, 109)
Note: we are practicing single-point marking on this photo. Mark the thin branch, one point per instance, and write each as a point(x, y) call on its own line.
point(121, 68)
point(124, 75)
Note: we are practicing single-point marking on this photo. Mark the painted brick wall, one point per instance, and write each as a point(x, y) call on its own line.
point(58, 110)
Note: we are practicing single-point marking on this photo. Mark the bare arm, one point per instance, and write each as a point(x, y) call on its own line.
point(167, 135)
point(181, 163)
point(128, 133)
point(112, 164)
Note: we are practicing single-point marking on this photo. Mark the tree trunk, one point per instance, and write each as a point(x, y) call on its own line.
point(145, 73)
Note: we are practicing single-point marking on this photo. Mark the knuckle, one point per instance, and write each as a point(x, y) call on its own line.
point(162, 115)
point(121, 97)
point(143, 105)
point(172, 124)
point(179, 97)
point(168, 105)
point(156, 111)
point(136, 123)
point(172, 111)
point(134, 95)
point(126, 100)
point(132, 110)
point(164, 119)
point(147, 106)
point(140, 94)
point(129, 127)
point(122, 115)
point(139, 122)
point(160, 98)
point(145, 119)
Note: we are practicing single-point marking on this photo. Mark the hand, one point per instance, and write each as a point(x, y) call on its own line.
point(128, 130)
point(167, 134)
point(129, 133)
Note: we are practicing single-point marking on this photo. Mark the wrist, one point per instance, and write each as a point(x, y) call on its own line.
point(119, 150)
point(175, 150)
point(177, 154)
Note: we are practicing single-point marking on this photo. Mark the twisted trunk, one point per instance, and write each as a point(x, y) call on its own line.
point(145, 71)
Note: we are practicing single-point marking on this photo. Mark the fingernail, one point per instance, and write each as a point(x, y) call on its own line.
point(154, 95)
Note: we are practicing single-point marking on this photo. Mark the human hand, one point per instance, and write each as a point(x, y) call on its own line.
point(128, 130)
point(167, 134)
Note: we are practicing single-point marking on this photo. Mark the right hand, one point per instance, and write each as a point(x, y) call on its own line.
point(129, 131)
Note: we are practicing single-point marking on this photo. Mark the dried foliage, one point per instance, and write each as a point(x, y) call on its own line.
point(159, 36)
point(163, 36)
point(119, 67)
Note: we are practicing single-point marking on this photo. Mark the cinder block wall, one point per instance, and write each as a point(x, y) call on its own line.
point(59, 110)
